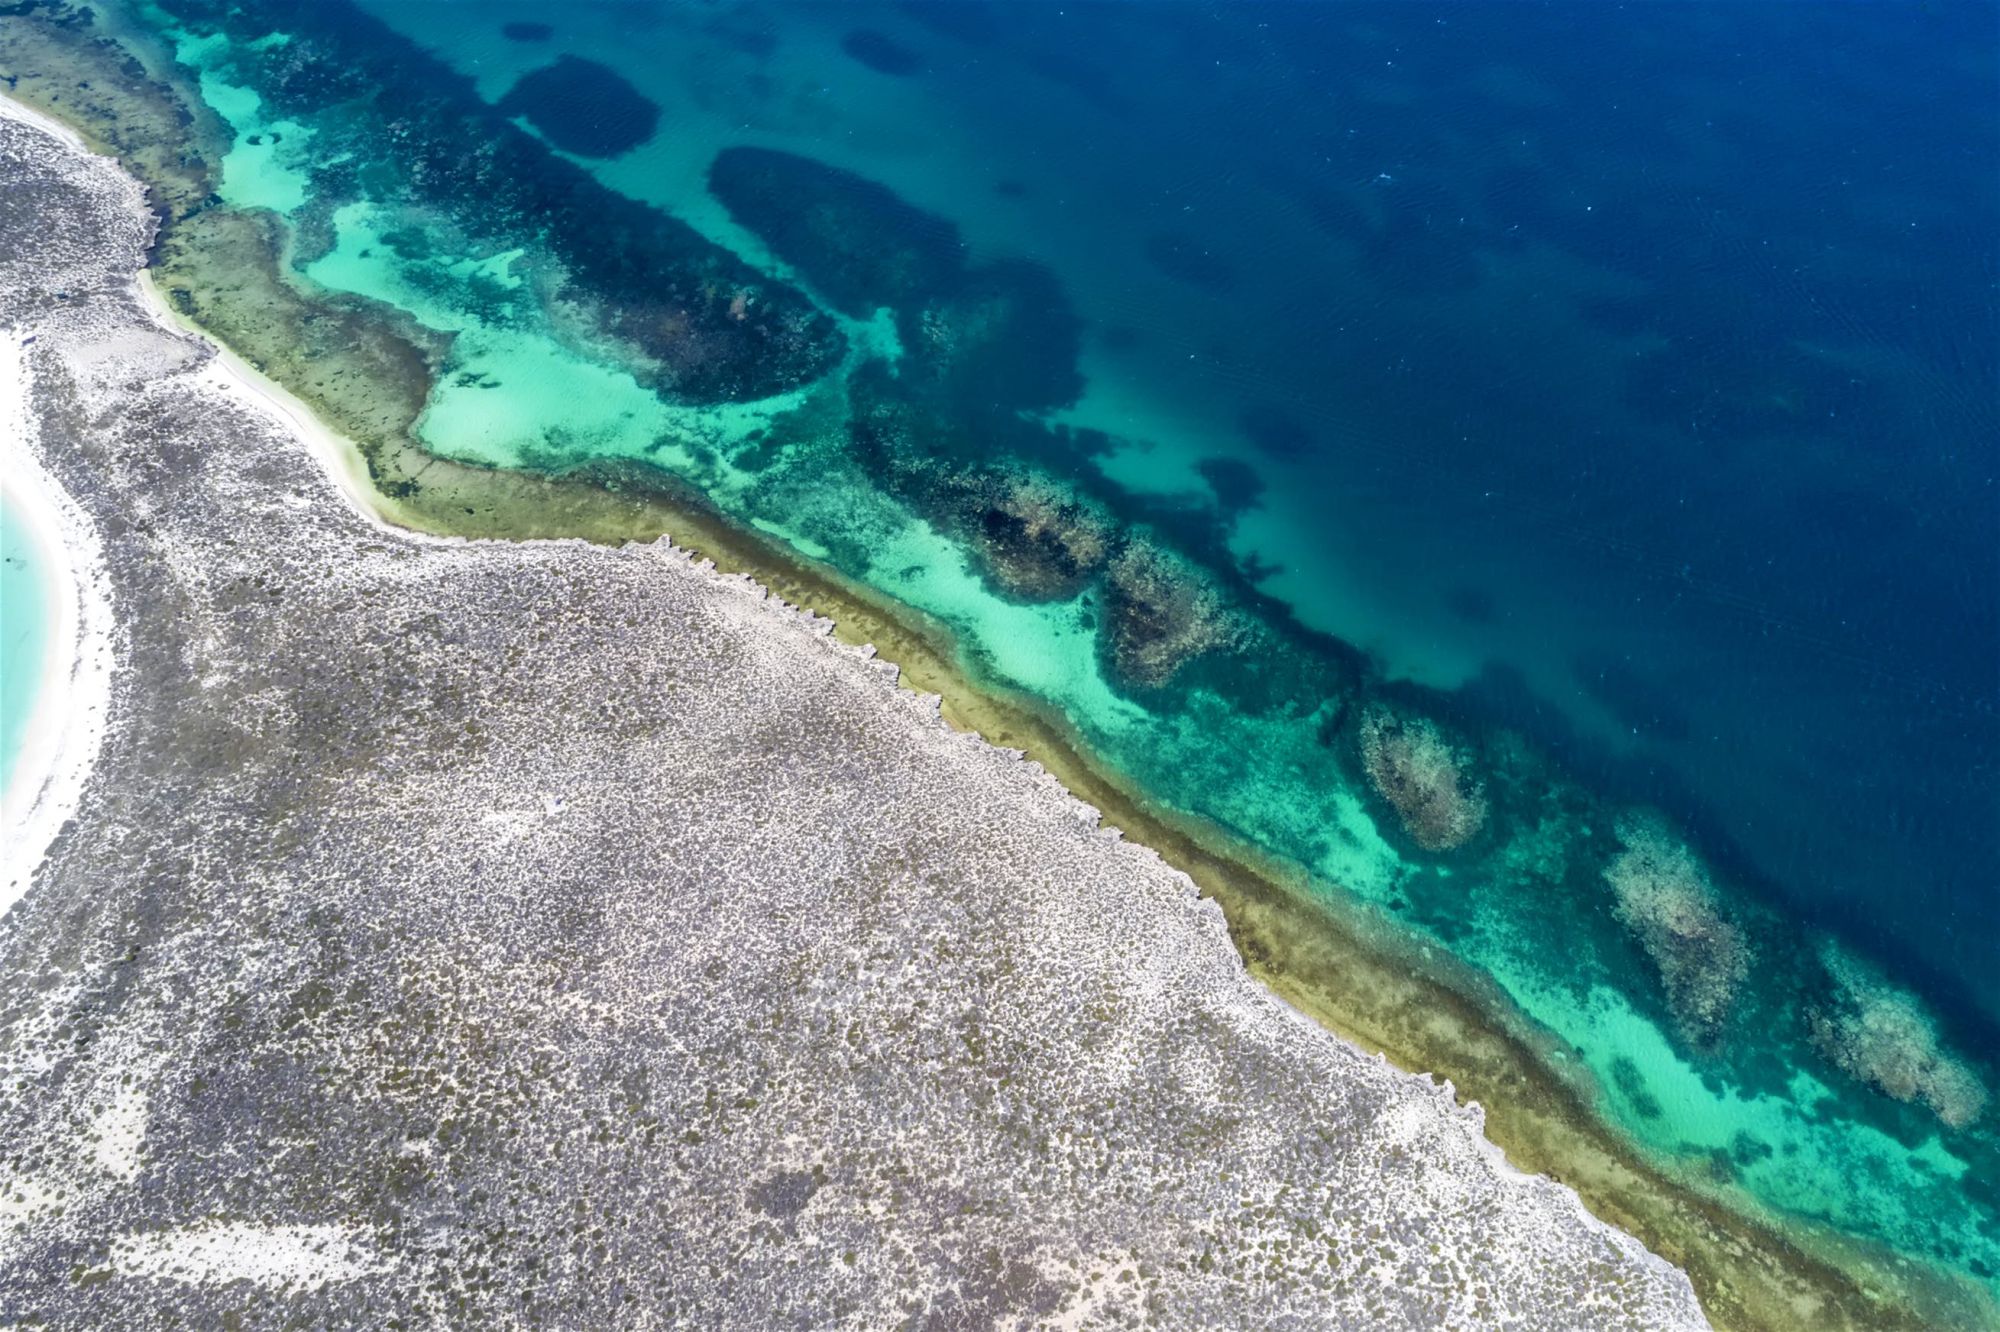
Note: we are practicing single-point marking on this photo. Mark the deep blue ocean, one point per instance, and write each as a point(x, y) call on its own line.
point(1630, 370)
point(1646, 356)
point(1631, 367)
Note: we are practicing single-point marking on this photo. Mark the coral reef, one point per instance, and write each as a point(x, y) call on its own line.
point(1164, 613)
point(1665, 898)
point(992, 339)
point(854, 240)
point(583, 107)
point(1413, 766)
point(1881, 1035)
point(436, 150)
point(1003, 339)
point(994, 482)
point(1038, 540)
point(501, 934)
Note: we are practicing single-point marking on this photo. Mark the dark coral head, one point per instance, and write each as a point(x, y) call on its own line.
point(583, 107)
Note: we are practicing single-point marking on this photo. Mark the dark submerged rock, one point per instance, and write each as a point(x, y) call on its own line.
point(1236, 484)
point(584, 107)
point(998, 337)
point(882, 54)
point(856, 242)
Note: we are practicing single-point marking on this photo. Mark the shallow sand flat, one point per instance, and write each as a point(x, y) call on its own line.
point(486, 933)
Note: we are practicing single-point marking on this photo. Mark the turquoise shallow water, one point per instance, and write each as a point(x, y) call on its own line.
point(1538, 573)
point(24, 631)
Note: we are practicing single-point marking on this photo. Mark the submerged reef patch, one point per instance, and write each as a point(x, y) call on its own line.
point(1883, 1036)
point(1008, 489)
point(583, 107)
point(855, 241)
point(1036, 537)
point(1165, 611)
point(1424, 776)
point(1237, 485)
point(527, 32)
point(883, 54)
point(1664, 896)
point(983, 479)
point(1001, 338)
point(998, 337)
point(700, 324)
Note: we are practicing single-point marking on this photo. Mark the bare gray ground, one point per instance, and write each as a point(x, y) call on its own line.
point(500, 934)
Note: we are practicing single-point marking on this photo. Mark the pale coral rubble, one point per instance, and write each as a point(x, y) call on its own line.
point(1664, 896)
point(1417, 770)
point(1883, 1036)
point(486, 934)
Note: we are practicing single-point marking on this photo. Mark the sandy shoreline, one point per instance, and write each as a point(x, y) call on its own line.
point(73, 693)
point(342, 462)
point(46, 124)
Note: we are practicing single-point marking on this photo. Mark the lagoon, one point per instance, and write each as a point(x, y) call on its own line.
point(24, 632)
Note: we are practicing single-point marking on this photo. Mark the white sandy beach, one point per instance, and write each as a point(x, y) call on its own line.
point(74, 691)
point(343, 462)
point(73, 694)
point(14, 110)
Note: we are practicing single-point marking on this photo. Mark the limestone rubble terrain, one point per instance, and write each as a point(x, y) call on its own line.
point(493, 934)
